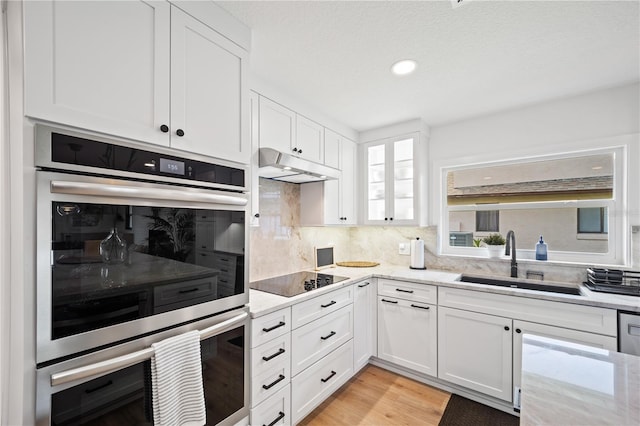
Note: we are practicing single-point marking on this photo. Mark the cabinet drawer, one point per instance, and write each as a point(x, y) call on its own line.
point(316, 383)
point(275, 410)
point(271, 353)
point(316, 339)
point(270, 381)
point(307, 311)
point(178, 295)
point(409, 291)
point(270, 326)
point(568, 315)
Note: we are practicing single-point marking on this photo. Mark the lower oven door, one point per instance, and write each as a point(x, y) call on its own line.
point(113, 386)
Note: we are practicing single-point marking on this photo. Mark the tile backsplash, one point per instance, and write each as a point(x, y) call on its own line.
point(280, 246)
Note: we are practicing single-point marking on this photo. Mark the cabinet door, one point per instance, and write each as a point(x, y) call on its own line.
point(403, 202)
point(208, 101)
point(309, 139)
point(376, 188)
point(332, 147)
point(277, 126)
point(474, 351)
point(348, 183)
point(364, 323)
point(407, 334)
point(255, 162)
point(99, 65)
point(580, 337)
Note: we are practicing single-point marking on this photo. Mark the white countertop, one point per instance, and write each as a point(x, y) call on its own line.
point(262, 303)
point(569, 384)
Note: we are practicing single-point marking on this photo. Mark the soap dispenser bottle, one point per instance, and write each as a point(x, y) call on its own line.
point(541, 250)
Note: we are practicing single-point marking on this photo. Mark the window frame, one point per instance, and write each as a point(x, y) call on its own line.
point(619, 251)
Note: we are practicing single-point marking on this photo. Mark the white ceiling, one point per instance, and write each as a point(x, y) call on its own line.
point(482, 57)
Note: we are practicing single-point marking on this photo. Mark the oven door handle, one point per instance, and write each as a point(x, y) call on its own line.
point(155, 193)
point(133, 358)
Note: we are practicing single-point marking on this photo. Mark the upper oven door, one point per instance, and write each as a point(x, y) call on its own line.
point(117, 258)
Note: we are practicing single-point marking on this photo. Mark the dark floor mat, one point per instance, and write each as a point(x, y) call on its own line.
point(464, 412)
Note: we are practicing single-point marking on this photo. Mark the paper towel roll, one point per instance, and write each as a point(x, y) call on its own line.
point(417, 254)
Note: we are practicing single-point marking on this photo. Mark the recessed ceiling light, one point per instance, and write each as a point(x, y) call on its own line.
point(596, 168)
point(287, 168)
point(404, 67)
point(487, 178)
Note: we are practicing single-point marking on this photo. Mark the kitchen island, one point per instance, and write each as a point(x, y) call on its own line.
point(566, 383)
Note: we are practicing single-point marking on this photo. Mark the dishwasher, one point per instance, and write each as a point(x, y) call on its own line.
point(629, 333)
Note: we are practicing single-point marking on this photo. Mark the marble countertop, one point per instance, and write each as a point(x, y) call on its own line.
point(570, 384)
point(262, 303)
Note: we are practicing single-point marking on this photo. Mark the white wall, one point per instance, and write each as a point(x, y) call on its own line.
point(557, 126)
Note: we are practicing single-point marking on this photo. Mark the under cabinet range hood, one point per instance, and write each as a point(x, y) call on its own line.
point(278, 165)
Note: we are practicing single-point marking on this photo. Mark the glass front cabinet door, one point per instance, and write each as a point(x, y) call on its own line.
point(391, 181)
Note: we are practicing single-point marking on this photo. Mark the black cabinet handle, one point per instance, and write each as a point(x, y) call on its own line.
point(299, 151)
point(386, 218)
point(418, 306)
point(191, 290)
point(390, 218)
point(389, 301)
point(280, 324)
point(97, 388)
point(506, 327)
point(333, 302)
point(164, 128)
point(224, 270)
point(222, 259)
point(270, 357)
point(256, 215)
point(280, 417)
point(333, 373)
point(518, 330)
point(333, 333)
point(278, 380)
point(180, 132)
point(295, 149)
point(363, 285)
point(403, 290)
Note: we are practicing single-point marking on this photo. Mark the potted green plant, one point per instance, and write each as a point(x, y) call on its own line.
point(495, 244)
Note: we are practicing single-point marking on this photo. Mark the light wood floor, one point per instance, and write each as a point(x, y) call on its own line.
point(379, 397)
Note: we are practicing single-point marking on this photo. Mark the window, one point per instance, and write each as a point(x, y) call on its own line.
point(592, 220)
point(488, 221)
point(567, 198)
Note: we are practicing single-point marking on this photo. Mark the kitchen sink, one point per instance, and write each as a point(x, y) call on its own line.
point(527, 285)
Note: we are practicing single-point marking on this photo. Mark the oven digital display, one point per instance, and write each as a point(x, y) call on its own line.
point(172, 166)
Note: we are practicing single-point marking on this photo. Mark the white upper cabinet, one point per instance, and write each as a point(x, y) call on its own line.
point(207, 102)
point(332, 202)
point(277, 127)
point(286, 131)
point(309, 139)
point(332, 146)
point(140, 70)
point(391, 181)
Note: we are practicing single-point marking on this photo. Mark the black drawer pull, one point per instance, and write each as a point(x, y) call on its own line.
point(389, 301)
point(97, 388)
point(270, 357)
point(418, 306)
point(506, 328)
point(223, 259)
point(333, 373)
point(280, 417)
point(224, 281)
point(191, 290)
point(333, 302)
point(224, 270)
point(333, 333)
point(278, 380)
point(363, 285)
point(280, 324)
point(518, 330)
point(403, 290)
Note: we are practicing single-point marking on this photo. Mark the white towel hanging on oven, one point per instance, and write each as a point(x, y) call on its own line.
point(176, 375)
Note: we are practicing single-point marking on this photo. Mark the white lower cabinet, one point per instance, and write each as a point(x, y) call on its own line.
point(364, 322)
point(474, 351)
point(275, 410)
point(271, 368)
point(316, 383)
point(407, 334)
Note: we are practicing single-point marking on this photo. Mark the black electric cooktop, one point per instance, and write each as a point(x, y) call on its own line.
point(296, 283)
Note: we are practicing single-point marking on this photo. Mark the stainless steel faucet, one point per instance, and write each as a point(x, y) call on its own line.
point(511, 247)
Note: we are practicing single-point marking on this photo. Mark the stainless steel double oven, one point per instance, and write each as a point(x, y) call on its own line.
point(135, 245)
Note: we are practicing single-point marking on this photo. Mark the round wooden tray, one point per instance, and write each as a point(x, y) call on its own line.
point(358, 264)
